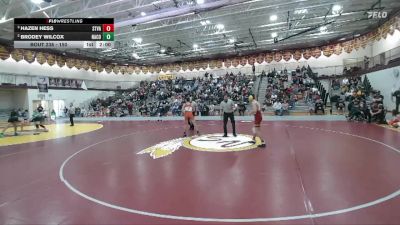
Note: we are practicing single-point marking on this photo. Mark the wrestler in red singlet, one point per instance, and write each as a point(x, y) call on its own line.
point(256, 111)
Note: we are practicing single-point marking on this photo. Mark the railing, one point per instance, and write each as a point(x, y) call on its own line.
point(381, 59)
point(278, 66)
point(259, 86)
point(31, 81)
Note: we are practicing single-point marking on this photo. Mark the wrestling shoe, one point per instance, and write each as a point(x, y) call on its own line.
point(262, 145)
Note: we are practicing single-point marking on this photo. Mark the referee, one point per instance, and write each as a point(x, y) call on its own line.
point(71, 112)
point(227, 108)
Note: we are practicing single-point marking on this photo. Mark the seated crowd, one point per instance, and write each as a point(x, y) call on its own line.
point(362, 104)
point(165, 97)
point(285, 89)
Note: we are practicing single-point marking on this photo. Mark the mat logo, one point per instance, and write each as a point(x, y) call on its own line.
point(377, 14)
point(208, 143)
point(163, 149)
point(218, 143)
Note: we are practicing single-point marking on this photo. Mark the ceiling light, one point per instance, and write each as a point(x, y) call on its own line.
point(2, 20)
point(162, 50)
point(322, 29)
point(220, 26)
point(142, 13)
point(37, 1)
point(273, 17)
point(199, 1)
point(357, 35)
point(208, 22)
point(274, 35)
point(342, 39)
point(135, 55)
point(336, 9)
point(137, 40)
point(203, 23)
point(300, 11)
point(231, 40)
point(195, 46)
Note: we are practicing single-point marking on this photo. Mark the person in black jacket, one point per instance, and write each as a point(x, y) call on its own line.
point(242, 108)
point(396, 95)
point(13, 120)
point(319, 106)
point(340, 105)
point(378, 113)
point(40, 108)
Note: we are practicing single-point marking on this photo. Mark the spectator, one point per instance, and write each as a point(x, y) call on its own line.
point(285, 107)
point(319, 107)
point(396, 95)
point(340, 106)
point(366, 62)
point(378, 113)
point(277, 106)
point(242, 108)
point(355, 110)
point(378, 98)
point(395, 122)
point(130, 108)
point(365, 111)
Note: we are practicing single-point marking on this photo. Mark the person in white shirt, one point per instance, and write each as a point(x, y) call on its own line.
point(285, 107)
point(345, 81)
point(274, 97)
point(278, 108)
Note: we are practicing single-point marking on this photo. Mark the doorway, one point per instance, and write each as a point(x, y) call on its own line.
point(50, 105)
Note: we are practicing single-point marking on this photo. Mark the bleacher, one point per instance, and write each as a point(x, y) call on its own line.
point(159, 96)
point(301, 106)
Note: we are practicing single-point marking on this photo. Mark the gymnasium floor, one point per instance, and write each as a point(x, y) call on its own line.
point(143, 172)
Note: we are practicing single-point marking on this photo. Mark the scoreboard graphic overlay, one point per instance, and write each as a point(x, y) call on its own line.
point(64, 33)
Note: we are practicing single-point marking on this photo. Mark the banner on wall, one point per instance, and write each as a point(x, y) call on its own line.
point(166, 77)
point(387, 28)
point(43, 84)
point(51, 59)
point(29, 56)
point(297, 55)
point(83, 85)
point(17, 55)
point(337, 50)
point(66, 83)
point(260, 58)
point(41, 58)
point(4, 53)
point(307, 54)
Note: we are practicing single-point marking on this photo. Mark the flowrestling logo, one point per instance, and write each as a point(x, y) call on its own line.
point(377, 14)
point(208, 143)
